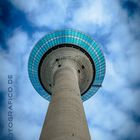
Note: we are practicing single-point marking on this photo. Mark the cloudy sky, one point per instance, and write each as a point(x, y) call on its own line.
point(114, 112)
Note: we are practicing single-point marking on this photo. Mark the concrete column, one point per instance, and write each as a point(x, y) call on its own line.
point(65, 119)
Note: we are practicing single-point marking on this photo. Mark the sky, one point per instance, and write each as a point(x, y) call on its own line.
point(113, 113)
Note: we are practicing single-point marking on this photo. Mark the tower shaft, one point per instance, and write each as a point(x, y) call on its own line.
point(65, 119)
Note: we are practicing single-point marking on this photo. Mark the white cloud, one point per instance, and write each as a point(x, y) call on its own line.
point(6, 65)
point(26, 130)
point(50, 14)
point(91, 13)
point(97, 134)
point(25, 5)
point(29, 107)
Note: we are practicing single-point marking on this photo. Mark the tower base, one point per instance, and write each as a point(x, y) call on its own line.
point(65, 119)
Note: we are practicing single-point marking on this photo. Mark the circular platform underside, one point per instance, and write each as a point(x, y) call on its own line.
point(66, 56)
point(87, 44)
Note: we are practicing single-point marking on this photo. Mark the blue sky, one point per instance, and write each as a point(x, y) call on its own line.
point(114, 112)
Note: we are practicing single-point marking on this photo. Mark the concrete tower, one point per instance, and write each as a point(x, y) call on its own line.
point(66, 67)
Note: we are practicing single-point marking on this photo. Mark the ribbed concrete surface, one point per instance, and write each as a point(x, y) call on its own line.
point(65, 119)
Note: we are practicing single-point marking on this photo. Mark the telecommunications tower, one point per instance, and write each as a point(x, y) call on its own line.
point(66, 67)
